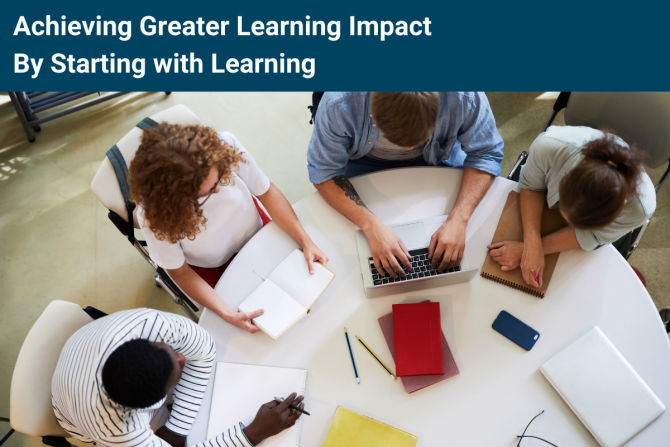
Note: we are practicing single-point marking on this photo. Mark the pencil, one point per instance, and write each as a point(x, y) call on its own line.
point(373, 355)
point(352, 356)
point(281, 399)
point(534, 276)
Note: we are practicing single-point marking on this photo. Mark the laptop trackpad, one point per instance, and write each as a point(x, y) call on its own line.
point(413, 235)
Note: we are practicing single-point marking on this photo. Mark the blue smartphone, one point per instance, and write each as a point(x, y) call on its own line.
point(516, 330)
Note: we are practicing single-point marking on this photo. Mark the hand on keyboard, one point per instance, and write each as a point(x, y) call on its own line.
point(388, 251)
point(420, 269)
point(447, 244)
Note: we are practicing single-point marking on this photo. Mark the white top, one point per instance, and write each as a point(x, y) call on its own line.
point(556, 152)
point(232, 219)
point(500, 387)
point(83, 407)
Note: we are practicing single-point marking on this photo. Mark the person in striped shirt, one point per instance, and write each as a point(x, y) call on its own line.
point(115, 374)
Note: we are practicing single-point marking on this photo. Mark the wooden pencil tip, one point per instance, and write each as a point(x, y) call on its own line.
point(345, 329)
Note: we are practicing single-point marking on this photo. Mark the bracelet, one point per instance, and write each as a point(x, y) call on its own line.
point(242, 427)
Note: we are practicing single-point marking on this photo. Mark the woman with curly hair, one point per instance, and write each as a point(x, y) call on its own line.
point(604, 194)
point(193, 189)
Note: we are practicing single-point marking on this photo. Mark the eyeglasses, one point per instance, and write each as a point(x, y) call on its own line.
point(211, 191)
point(524, 435)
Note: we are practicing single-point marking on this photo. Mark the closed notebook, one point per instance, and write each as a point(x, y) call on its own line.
point(602, 388)
point(510, 228)
point(350, 429)
point(416, 383)
point(240, 390)
point(417, 335)
point(287, 294)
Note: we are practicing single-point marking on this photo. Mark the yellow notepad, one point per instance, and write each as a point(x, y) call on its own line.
point(351, 429)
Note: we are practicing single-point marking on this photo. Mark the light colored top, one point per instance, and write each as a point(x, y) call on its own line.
point(82, 405)
point(385, 150)
point(232, 219)
point(559, 150)
point(465, 134)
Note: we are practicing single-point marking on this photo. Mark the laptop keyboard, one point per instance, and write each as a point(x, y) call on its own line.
point(420, 269)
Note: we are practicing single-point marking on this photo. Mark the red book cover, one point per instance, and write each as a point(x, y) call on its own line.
point(417, 333)
point(416, 383)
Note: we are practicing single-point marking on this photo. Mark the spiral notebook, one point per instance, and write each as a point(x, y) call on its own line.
point(510, 228)
point(240, 390)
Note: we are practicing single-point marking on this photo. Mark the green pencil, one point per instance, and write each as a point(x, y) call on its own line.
point(373, 355)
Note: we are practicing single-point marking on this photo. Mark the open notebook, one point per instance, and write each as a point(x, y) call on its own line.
point(510, 228)
point(240, 390)
point(287, 294)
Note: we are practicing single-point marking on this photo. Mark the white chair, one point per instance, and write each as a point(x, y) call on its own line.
point(640, 119)
point(106, 187)
point(30, 409)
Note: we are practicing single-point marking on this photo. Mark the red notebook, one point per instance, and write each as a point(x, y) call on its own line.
point(416, 383)
point(417, 333)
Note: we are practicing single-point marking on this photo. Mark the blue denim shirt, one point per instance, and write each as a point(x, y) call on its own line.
point(465, 134)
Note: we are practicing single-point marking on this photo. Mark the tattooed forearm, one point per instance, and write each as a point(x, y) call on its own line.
point(345, 185)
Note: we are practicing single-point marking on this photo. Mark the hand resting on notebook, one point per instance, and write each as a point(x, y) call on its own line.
point(512, 254)
point(273, 418)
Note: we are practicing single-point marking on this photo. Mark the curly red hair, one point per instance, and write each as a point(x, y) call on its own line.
point(167, 173)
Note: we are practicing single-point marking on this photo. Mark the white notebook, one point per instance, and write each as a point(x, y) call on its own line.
point(240, 390)
point(287, 294)
point(603, 390)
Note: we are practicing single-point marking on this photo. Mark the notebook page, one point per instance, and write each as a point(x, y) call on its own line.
point(281, 311)
point(293, 277)
point(240, 390)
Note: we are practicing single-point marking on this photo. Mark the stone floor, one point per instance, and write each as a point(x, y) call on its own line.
point(57, 243)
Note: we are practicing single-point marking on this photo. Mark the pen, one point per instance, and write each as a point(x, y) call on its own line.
point(281, 399)
point(352, 356)
point(534, 276)
point(372, 354)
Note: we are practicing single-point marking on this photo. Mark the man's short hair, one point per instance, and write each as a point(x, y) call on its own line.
point(136, 374)
point(406, 118)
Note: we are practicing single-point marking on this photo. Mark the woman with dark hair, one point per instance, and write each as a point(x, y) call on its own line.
point(193, 189)
point(597, 181)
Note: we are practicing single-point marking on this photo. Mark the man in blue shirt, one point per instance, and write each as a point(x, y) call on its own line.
point(360, 132)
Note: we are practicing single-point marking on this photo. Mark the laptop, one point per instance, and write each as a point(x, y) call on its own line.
point(416, 237)
point(603, 390)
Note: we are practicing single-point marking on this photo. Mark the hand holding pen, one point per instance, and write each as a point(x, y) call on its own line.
point(274, 417)
point(294, 407)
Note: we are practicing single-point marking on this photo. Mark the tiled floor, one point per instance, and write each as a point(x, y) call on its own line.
point(57, 243)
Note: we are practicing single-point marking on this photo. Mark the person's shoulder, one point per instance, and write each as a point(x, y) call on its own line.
point(343, 99)
point(447, 98)
point(462, 102)
point(555, 147)
point(142, 312)
point(574, 135)
point(231, 140)
point(646, 195)
point(227, 137)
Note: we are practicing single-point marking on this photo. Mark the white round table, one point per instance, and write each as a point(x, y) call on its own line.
point(499, 388)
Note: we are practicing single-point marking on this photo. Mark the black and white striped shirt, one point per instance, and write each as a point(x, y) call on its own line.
point(83, 407)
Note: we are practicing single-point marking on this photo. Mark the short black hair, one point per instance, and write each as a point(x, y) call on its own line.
point(136, 374)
